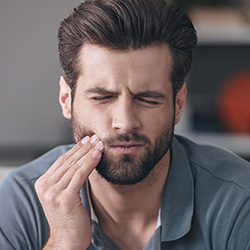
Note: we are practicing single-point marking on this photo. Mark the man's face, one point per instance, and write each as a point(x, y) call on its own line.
point(125, 98)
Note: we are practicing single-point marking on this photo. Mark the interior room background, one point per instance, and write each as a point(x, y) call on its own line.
point(30, 116)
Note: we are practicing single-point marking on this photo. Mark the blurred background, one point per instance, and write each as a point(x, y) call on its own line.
point(218, 109)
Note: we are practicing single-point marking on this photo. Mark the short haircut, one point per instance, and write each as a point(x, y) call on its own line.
point(124, 25)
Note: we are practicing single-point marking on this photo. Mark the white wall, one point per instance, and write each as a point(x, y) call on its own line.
point(29, 72)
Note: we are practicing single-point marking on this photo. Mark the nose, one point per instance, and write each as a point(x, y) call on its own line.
point(125, 117)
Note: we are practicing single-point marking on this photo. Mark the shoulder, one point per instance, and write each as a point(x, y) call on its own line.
point(221, 194)
point(18, 185)
point(39, 166)
point(217, 162)
point(22, 221)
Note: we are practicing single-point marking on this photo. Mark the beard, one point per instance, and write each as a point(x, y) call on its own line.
point(128, 169)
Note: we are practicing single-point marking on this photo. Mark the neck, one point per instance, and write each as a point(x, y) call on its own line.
point(128, 206)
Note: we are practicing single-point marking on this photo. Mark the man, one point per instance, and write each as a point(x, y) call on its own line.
point(127, 183)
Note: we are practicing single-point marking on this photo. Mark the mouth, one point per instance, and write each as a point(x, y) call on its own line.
point(126, 148)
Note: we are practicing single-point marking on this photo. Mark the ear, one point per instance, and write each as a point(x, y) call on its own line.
point(180, 102)
point(65, 97)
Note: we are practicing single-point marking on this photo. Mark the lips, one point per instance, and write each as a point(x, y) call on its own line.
point(125, 145)
point(126, 148)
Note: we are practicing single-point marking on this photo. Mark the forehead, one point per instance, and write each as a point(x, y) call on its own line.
point(142, 68)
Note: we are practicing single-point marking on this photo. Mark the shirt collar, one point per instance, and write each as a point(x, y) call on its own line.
point(178, 196)
point(93, 216)
point(177, 207)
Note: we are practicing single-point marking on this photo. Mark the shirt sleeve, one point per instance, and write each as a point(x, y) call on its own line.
point(23, 225)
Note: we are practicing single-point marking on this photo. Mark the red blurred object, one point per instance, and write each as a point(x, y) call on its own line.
point(234, 103)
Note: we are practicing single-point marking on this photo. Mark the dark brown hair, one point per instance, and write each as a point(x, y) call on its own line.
point(127, 24)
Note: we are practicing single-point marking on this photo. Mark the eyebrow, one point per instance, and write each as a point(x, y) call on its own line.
point(151, 94)
point(147, 94)
point(101, 91)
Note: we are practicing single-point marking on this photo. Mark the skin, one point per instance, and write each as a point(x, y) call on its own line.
point(125, 75)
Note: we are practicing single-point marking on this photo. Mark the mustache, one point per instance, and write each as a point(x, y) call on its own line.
point(78, 133)
point(122, 138)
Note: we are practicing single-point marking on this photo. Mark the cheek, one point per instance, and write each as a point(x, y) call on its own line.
point(159, 119)
point(92, 118)
point(158, 123)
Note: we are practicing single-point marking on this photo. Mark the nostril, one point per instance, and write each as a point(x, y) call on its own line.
point(126, 124)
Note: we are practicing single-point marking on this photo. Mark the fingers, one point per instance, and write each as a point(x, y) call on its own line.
point(78, 173)
point(73, 167)
point(85, 167)
point(55, 172)
point(69, 161)
point(59, 192)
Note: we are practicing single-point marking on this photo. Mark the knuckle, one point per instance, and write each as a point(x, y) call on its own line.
point(41, 186)
point(65, 202)
point(80, 174)
point(52, 197)
point(70, 162)
point(76, 166)
point(63, 158)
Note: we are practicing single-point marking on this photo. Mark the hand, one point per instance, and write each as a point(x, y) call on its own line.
point(59, 193)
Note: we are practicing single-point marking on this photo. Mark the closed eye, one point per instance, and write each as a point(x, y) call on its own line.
point(101, 98)
point(150, 98)
point(100, 94)
point(148, 101)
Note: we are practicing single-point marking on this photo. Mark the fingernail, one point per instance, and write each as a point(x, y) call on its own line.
point(93, 139)
point(99, 145)
point(96, 154)
point(85, 139)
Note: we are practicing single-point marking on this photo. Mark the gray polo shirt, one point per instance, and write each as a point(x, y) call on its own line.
point(205, 205)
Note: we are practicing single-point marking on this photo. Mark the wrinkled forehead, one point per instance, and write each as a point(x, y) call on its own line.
point(142, 68)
